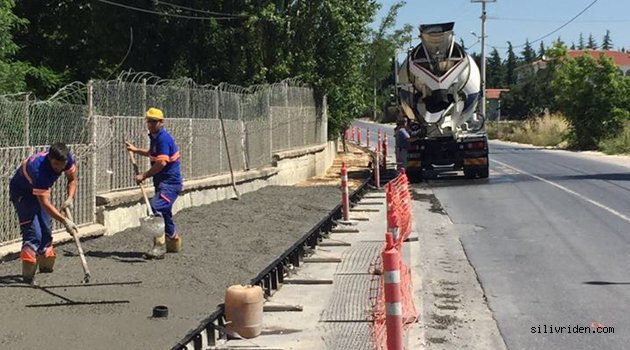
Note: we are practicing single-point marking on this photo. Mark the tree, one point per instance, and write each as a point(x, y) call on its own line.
point(572, 47)
point(495, 71)
point(541, 51)
point(594, 98)
point(511, 63)
point(592, 45)
point(9, 80)
point(528, 54)
point(607, 43)
point(580, 44)
point(381, 50)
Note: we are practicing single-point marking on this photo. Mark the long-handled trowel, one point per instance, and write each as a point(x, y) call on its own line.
point(152, 224)
point(86, 270)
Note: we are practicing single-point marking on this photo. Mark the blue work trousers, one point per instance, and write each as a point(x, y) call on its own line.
point(162, 202)
point(35, 223)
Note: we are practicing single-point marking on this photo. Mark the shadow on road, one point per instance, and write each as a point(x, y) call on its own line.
point(604, 177)
point(127, 257)
point(604, 283)
point(10, 280)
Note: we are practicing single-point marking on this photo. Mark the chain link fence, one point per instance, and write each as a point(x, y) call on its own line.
point(96, 120)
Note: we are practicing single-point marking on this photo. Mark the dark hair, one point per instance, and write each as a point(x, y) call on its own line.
point(59, 151)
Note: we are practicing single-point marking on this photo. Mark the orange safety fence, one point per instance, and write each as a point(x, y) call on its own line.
point(399, 218)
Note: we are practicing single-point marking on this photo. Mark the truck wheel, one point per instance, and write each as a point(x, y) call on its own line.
point(470, 173)
point(483, 173)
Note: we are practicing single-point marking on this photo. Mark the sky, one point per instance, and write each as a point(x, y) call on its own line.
point(519, 20)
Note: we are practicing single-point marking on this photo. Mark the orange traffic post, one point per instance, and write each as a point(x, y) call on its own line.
point(393, 221)
point(345, 199)
point(385, 151)
point(359, 136)
point(377, 168)
point(352, 134)
point(393, 295)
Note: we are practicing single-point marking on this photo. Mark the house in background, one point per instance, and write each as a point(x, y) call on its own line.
point(493, 103)
point(621, 59)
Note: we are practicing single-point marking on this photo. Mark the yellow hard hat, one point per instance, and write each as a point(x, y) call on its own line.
point(154, 114)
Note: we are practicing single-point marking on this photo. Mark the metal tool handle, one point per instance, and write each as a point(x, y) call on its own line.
point(86, 270)
point(136, 171)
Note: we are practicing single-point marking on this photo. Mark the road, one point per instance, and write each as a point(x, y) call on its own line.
point(548, 235)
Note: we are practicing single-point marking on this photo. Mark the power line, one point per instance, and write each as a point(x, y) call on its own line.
point(164, 13)
point(198, 11)
point(555, 30)
point(510, 19)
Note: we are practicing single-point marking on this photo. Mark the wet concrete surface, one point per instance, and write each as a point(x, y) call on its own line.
point(225, 243)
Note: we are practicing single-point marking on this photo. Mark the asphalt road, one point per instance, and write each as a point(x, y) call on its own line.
point(548, 235)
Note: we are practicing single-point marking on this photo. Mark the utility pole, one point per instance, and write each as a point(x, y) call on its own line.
point(483, 54)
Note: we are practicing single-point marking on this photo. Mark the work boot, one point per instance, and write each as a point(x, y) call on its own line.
point(28, 271)
point(159, 249)
point(174, 245)
point(29, 264)
point(47, 260)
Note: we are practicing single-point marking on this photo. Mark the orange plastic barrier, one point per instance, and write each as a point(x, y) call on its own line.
point(393, 310)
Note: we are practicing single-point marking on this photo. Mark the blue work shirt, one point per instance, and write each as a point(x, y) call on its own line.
point(162, 146)
point(402, 138)
point(36, 176)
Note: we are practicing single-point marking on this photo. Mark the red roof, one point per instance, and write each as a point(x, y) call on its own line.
point(620, 58)
point(494, 94)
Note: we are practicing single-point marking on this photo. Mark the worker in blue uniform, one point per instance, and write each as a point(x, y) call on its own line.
point(29, 191)
point(167, 179)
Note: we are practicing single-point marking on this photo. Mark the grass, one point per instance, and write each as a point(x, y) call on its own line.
point(549, 130)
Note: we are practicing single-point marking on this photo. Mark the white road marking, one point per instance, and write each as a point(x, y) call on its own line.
point(584, 198)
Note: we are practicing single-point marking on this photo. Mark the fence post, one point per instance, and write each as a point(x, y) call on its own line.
point(191, 138)
point(27, 131)
point(288, 112)
point(270, 116)
point(393, 295)
point(243, 133)
point(92, 120)
point(218, 106)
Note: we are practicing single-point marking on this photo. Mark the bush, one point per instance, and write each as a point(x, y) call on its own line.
point(618, 144)
point(549, 130)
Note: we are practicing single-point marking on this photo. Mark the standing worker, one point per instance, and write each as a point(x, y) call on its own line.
point(402, 143)
point(30, 194)
point(167, 179)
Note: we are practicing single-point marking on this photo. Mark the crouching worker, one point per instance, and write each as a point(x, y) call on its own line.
point(167, 179)
point(30, 194)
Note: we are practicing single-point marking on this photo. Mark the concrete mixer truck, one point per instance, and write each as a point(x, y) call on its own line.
point(438, 89)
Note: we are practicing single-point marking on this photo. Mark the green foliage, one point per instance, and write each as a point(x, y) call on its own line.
point(592, 44)
point(511, 62)
point(594, 98)
point(495, 71)
point(381, 50)
point(528, 55)
point(607, 43)
point(619, 143)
